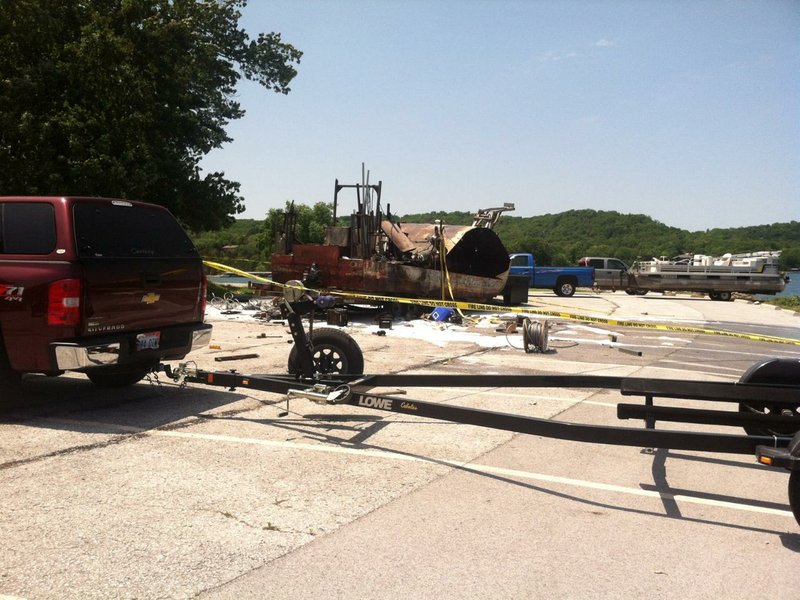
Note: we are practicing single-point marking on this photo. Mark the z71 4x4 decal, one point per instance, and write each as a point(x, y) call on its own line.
point(11, 293)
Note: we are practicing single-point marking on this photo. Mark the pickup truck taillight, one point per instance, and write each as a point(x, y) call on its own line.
point(64, 302)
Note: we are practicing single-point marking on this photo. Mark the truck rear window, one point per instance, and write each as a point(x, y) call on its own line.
point(27, 228)
point(122, 230)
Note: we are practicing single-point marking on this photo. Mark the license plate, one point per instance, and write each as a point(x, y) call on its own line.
point(148, 341)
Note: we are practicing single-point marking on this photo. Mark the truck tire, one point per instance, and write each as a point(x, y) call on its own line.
point(794, 494)
point(772, 371)
point(724, 296)
point(334, 351)
point(10, 379)
point(565, 287)
point(117, 377)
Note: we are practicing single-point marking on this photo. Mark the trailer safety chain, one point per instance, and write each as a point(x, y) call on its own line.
point(152, 378)
point(479, 307)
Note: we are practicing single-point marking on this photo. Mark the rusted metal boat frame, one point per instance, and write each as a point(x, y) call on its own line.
point(374, 254)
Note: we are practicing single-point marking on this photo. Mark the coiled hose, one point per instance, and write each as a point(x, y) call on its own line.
point(534, 335)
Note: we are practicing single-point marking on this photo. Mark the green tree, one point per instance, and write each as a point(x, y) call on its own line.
point(310, 224)
point(123, 98)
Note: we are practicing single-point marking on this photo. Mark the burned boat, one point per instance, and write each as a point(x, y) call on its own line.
point(375, 254)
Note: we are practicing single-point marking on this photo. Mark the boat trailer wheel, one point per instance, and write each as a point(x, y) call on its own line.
point(777, 371)
point(333, 352)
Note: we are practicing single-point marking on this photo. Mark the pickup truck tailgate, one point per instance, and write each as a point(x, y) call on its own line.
point(135, 294)
point(140, 269)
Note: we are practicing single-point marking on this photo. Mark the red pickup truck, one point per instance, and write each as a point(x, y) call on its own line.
point(106, 287)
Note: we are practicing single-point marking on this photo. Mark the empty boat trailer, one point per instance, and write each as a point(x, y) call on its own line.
point(767, 399)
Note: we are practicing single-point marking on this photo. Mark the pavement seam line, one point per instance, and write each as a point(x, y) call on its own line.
point(489, 469)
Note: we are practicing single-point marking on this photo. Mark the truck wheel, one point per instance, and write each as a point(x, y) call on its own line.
point(777, 371)
point(117, 377)
point(334, 351)
point(724, 296)
point(9, 378)
point(713, 295)
point(565, 287)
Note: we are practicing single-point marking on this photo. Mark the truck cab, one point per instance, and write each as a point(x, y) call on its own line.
point(609, 273)
point(562, 280)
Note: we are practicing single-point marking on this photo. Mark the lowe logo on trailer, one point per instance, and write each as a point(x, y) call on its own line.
point(373, 402)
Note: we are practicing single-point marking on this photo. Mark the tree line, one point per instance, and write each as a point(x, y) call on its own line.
point(123, 98)
point(554, 239)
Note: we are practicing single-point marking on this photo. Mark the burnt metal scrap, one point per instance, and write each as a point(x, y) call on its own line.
point(375, 253)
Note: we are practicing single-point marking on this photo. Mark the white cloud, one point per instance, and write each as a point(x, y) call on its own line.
point(604, 43)
point(557, 56)
point(571, 54)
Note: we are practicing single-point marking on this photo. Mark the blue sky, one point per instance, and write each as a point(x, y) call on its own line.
point(687, 111)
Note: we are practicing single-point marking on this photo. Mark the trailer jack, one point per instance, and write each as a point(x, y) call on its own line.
point(768, 398)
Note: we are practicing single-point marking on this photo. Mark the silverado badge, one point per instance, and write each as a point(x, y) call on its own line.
point(151, 298)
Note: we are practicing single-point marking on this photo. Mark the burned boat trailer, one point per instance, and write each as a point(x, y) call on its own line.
point(376, 254)
point(326, 367)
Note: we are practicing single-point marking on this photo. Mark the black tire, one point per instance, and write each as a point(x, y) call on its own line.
point(794, 494)
point(334, 352)
point(10, 380)
point(777, 371)
point(724, 296)
point(642, 292)
point(117, 377)
point(713, 295)
point(565, 287)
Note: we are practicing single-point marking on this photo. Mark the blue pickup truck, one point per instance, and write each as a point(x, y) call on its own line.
point(562, 280)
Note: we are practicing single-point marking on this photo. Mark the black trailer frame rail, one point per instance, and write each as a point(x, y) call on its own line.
point(771, 450)
point(357, 390)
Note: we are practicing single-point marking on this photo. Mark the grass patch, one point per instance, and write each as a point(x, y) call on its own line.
point(787, 302)
point(241, 293)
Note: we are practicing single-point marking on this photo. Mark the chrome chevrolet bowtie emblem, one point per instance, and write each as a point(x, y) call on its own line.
point(151, 298)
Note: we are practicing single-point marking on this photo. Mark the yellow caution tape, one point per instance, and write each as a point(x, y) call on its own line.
point(479, 307)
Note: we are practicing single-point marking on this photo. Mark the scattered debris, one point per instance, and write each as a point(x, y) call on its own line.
point(235, 357)
point(628, 351)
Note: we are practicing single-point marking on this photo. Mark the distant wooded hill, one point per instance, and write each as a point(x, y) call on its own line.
point(560, 238)
point(565, 237)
